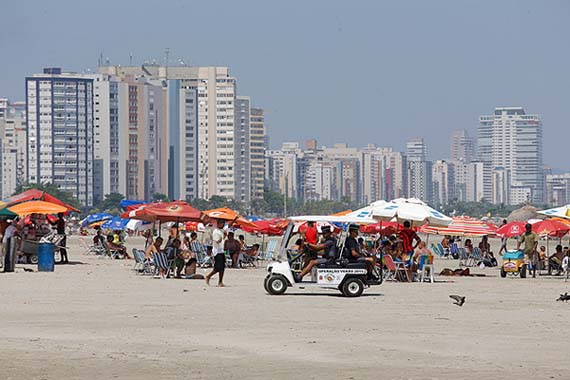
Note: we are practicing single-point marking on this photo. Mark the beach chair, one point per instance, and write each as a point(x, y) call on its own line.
point(454, 250)
point(201, 251)
point(95, 249)
point(475, 257)
point(140, 265)
point(425, 266)
point(108, 252)
point(390, 272)
point(270, 250)
point(162, 262)
point(445, 251)
point(436, 251)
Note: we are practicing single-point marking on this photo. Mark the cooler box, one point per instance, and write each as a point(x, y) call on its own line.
point(46, 260)
point(513, 255)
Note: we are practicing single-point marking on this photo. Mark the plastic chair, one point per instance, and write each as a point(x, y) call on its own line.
point(426, 266)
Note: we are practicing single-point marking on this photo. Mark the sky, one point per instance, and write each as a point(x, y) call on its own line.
point(355, 72)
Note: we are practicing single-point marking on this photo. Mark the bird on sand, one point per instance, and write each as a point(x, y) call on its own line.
point(459, 300)
point(564, 297)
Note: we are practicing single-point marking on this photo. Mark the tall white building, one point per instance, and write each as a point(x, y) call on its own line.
point(59, 110)
point(443, 177)
point(558, 189)
point(13, 150)
point(512, 139)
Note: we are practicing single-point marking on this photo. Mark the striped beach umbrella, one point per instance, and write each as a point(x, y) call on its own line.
point(461, 226)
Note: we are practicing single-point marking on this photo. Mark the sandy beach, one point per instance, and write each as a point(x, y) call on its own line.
point(97, 319)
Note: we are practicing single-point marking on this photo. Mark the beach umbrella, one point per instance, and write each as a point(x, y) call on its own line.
point(551, 228)
point(116, 224)
point(302, 227)
point(413, 210)
point(226, 213)
point(264, 227)
point(511, 229)
point(178, 211)
point(461, 226)
point(94, 218)
point(5, 213)
point(129, 205)
point(382, 228)
point(194, 226)
point(37, 207)
point(38, 195)
point(138, 225)
point(558, 212)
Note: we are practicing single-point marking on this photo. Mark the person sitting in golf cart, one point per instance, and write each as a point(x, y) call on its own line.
point(352, 250)
point(328, 246)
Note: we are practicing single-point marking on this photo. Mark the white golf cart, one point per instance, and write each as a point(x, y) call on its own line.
point(349, 278)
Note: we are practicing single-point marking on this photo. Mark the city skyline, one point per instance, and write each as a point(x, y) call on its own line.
point(307, 63)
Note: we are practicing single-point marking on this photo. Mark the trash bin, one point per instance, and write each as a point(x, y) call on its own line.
point(46, 260)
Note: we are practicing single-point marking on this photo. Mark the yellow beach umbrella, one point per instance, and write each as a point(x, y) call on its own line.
point(37, 207)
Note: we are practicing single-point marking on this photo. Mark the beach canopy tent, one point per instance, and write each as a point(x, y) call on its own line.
point(557, 212)
point(177, 211)
point(37, 207)
point(461, 226)
point(550, 227)
point(131, 204)
point(94, 218)
point(413, 210)
point(38, 195)
point(226, 213)
point(116, 223)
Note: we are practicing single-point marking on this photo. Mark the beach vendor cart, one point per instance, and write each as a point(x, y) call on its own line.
point(35, 226)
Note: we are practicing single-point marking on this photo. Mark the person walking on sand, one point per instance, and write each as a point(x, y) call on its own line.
point(530, 241)
point(218, 253)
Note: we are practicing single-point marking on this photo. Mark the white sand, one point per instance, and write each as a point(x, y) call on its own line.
point(98, 320)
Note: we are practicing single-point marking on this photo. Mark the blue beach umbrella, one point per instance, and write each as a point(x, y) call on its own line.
point(93, 218)
point(115, 224)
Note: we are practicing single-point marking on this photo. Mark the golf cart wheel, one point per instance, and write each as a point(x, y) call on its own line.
point(32, 259)
point(265, 282)
point(353, 287)
point(503, 273)
point(523, 271)
point(276, 285)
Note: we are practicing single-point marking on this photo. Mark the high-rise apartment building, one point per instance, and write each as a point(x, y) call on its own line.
point(59, 111)
point(257, 137)
point(443, 177)
point(513, 140)
point(558, 189)
point(416, 149)
point(13, 148)
point(200, 113)
point(242, 148)
point(462, 146)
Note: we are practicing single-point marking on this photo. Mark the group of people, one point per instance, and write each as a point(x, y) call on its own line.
point(114, 241)
point(538, 258)
point(33, 228)
point(181, 252)
point(406, 247)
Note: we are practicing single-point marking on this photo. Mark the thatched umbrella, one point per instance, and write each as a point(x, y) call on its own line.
point(524, 213)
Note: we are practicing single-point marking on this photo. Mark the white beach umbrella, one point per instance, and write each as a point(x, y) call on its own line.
point(560, 212)
point(410, 209)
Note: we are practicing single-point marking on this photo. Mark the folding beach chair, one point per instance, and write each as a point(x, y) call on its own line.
point(201, 252)
point(162, 262)
point(445, 251)
point(475, 257)
point(390, 273)
point(463, 257)
point(270, 250)
point(436, 251)
point(90, 248)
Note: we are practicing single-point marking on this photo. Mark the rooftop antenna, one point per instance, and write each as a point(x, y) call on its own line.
point(100, 60)
point(130, 59)
point(166, 54)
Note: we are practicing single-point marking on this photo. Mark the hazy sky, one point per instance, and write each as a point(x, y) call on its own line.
point(340, 71)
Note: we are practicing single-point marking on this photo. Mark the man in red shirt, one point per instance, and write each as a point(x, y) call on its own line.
point(408, 236)
point(311, 233)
